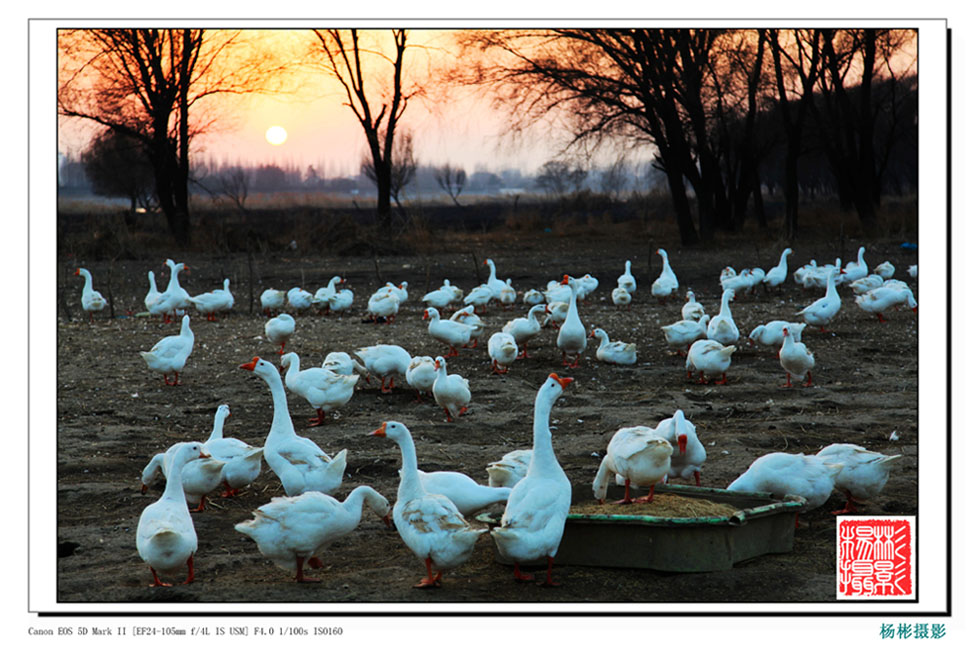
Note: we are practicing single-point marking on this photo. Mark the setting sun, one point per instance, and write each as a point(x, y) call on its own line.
point(276, 135)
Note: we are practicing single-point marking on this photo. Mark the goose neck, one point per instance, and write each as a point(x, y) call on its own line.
point(174, 481)
point(281, 420)
point(543, 455)
point(409, 482)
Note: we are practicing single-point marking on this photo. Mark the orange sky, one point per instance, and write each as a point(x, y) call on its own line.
point(460, 129)
point(324, 133)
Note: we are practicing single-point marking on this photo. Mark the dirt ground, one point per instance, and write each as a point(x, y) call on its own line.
point(114, 414)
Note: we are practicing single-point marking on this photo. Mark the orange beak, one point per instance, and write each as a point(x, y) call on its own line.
point(145, 488)
point(563, 381)
point(381, 431)
point(250, 365)
point(682, 443)
point(203, 454)
point(436, 365)
point(426, 315)
point(565, 279)
point(77, 271)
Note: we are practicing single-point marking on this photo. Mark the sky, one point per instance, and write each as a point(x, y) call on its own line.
point(461, 129)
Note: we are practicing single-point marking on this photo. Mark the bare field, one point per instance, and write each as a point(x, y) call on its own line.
point(114, 414)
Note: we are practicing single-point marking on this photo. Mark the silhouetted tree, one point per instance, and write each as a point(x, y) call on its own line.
point(560, 177)
point(378, 110)
point(451, 180)
point(144, 83)
point(116, 165)
point(796, 57)
point(402, 167)
point(852, 98)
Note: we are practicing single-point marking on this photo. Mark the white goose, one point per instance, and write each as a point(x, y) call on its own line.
point(689, 454)
point(821, 312)
point(385, 361)
point(666, 283)
point(587, 284)
point(323, 389)
point(534, 518)
point(864, 472)
point(175, 297)
point(451, 333)
point(780, 474)
point(525, 328)
point(616, 352)
point(429, 524)
point(795, 359)
point(383, 304)
point(467, 316)
point(778, 273)
point(464, 492)
point(341, 300)
point(479, 297)
point(242, 461)
point(343, 364)
point(298, 462)
point(770, 333)
point(153, 294)
point(510, 469)
point(626, 280)
point(692, 309)
point(709, 358)
point(279, 330)
point(298, 299)
point(421, 374)
point(503, 351)
point(199, 477)
point(493, 282)
point(439, 298)
point(291, 530)
point(885, 270)
point(683, 333)
point(169, 354)
point(91, 300)
point(165, 537)
point(533, 297)
point(451, 392)
point(507, 295)
point(855, 270)
point(322, 296)
point(722, 327)
point(878, 300)
point(572, 334)
point(638, 455)
point(273, 301)
point(212, 302)
point(622, 297)
point(864, 285)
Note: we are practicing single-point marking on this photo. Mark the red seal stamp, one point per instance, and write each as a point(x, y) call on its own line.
point(875, 558)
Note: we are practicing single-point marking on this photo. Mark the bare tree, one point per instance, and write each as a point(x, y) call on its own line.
point(795, 55)
point(144, 83)
point(451, 180)
point(345, 57)
point(115, 165)
point(402, 167)
point(848, 115)
point(234, 184)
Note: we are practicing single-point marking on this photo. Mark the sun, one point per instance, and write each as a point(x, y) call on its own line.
point(276, 135)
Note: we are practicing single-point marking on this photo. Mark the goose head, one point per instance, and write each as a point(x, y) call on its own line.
point(260, 367)
point(393, 430)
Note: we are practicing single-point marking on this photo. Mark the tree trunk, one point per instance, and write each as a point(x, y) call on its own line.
point(682, 209)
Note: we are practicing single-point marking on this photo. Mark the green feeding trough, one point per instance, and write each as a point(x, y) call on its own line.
point(761, 524)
